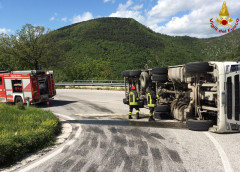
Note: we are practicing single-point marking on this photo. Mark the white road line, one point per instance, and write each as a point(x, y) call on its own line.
point(64, 116)
point(225, 161)
point(77, 134)
point(57, 151)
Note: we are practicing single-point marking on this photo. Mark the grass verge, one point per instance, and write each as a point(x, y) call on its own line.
point(25, 130)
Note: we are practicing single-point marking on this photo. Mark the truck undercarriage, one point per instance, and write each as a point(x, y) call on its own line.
point(194, 92)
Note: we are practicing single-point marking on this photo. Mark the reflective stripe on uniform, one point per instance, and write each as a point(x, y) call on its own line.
point(149, 100)
point(137, 111)
point(132, 99)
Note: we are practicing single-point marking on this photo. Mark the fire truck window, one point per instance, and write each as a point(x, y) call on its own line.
point(43, 85)
point(0, 80)
point(17, 86)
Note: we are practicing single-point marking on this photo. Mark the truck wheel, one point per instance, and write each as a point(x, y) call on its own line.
point(160, 70)
point(198, 67)
point(199, 125)
point(162, 115)
point(162, 108)
point(125, 73)
point(161, 78)
point(135, 73)
point(125, 101)
point(18, 99)
point(144, 78)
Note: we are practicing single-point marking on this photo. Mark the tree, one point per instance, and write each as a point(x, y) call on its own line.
point(28, 48)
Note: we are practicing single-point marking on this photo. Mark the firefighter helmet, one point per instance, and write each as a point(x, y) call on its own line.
point(133, 88)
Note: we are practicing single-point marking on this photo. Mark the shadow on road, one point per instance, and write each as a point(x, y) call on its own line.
point(175, 125)
point(55, 103)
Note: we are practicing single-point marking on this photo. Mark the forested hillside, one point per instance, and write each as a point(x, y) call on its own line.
point(102, 48)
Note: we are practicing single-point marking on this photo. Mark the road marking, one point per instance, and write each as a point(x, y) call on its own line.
point(225, 161)
point(77, 134)
point(55, 152)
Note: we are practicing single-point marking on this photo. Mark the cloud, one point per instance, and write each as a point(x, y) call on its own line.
point(105, 1)
point(6, 31)
point(84, 17)
point(137, 7)
point(178, 18)
point(194, 21)
point(124, 7)
point(125, 11)
point(64, 19)
point(53, 17)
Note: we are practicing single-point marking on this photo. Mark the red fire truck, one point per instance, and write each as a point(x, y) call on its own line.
point(27, 86)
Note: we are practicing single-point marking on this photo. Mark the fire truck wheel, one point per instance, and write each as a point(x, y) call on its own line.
point(199, 125)
point(160, 78)
point(198, 67)
point(125, 73)
point(135, 73)
point(162, 108)
point(18, 99)
point(160, 70)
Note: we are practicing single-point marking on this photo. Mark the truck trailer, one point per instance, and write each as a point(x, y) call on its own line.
point(31, 86)
point(205, 95)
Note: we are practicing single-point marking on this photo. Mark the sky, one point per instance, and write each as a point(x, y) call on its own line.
point(170, 17)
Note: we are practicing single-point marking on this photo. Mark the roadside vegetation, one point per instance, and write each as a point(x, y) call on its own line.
point(25, 130)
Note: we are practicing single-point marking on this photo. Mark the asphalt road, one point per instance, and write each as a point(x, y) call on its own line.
point(103, 139)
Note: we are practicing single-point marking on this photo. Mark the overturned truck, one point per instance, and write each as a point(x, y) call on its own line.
point(204, 94)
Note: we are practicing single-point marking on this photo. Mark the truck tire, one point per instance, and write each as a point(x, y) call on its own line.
point(199, 125)
point(18, 99)
point(162, 108)
point(162, 115)
point(160, 70)
point(198, 67)
point(161, 78)
point(125, 73)
point(144, 79)
point(135, 73)
point(125, 101)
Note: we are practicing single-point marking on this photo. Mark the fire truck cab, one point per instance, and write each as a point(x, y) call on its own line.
point(32, 86)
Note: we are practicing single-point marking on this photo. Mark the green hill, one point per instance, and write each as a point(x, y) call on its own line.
point(102, 48)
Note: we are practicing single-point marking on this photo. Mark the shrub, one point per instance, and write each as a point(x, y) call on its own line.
point(25, 131)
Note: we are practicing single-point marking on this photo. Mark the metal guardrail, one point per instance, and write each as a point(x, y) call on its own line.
point(109, 83)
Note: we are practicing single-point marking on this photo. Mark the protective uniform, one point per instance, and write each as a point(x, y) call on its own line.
point(151, 103)
point(133, 102)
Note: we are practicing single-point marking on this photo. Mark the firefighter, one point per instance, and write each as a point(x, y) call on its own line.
point(133, 102)
point(151, 102)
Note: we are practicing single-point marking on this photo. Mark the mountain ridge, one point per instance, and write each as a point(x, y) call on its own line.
point(102, 48)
